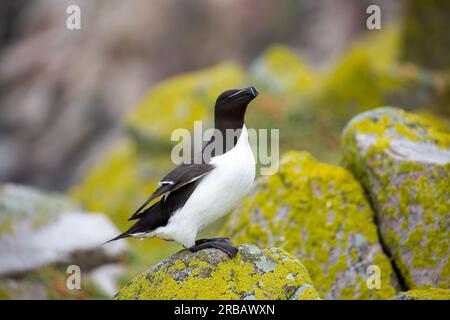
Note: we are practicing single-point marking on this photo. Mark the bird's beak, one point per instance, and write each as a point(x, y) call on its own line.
point(252, 90)
point(249, 94)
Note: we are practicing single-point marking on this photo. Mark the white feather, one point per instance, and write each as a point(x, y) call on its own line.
point(216, 195)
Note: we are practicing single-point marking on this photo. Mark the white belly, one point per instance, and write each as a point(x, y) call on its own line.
point(217, 194)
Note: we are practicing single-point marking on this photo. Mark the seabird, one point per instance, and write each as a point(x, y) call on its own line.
point(195, 194)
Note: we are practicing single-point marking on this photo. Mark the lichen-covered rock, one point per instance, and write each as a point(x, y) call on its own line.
point(50, 282)
point(279, 69)
point(40, 228)
point(424, 294)
point(317, 212)
point(181, 100)
point(211, 274)
point(118, 184)
point(404, 164)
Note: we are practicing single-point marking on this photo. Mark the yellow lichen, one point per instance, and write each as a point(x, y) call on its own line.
point(235, 278)
point(411, 197)
point(317, 212)
point(279, 69)
point(181, 100)
point(425, 294)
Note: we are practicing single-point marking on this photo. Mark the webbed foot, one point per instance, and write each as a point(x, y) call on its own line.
point(222, 244)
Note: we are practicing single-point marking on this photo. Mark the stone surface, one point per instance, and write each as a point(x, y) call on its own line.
point(39, 228)
point(404, 164)
point(424, 294)
point(211, 274)
point(319, 213)
point(106, 278)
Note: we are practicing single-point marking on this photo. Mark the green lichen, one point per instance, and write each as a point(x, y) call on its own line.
point(181, 100)
point(4, 294)
point(318, 107)
point(279, 69)
point(425, 294)
point(319, 213)
point(210, 274)
point(411, 196)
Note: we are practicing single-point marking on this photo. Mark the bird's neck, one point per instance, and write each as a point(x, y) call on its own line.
point(231, 125)
point(224, 138)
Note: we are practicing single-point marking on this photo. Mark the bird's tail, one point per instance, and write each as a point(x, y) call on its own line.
point(120, 236)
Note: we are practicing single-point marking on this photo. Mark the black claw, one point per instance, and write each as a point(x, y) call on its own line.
point(202, 241)
point(222, 244)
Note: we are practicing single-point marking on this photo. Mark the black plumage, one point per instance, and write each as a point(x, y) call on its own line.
point(179, 184)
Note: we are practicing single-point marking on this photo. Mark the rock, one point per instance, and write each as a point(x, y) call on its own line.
point(50, 282)
point(211, 274)
point(106, 278)
point(424, 294)
point(279, 69)
point(404, 164)
point(11, 289)
point(185, 98)
point(317, 212)
point(40, 229)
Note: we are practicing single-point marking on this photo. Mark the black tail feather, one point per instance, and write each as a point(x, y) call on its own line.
point(120, 236)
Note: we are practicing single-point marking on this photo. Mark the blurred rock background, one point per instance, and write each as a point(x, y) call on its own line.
point(89, 114)
point(63, 93)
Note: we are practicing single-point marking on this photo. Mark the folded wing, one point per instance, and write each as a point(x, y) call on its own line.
point(181, 176)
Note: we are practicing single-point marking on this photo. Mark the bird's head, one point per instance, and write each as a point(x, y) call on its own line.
point(231, 106)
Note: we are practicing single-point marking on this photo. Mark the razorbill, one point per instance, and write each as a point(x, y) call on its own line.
point(195, 194)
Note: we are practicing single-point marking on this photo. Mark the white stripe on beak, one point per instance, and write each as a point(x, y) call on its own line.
point(237, 93)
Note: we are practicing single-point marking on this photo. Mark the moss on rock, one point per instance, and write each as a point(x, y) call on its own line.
point(424, 294)
point(404, 164)
point(317, 212)
point(211, 274)
point(279, 69)
point(179, 101)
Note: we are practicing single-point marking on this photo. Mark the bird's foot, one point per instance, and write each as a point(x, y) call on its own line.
point(201, 241)
point(222, 244)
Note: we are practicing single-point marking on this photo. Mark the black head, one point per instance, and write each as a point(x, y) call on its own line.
point(230, 107)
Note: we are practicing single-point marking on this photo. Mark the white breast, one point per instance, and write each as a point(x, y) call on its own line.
point(216, 195)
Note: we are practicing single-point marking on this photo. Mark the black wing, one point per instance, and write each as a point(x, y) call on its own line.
point(159, 213)
point(177, 178)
